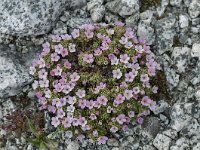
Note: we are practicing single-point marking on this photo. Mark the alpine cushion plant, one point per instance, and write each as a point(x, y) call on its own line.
point(96, 81)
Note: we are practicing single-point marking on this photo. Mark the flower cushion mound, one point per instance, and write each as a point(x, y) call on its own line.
point(96, 81)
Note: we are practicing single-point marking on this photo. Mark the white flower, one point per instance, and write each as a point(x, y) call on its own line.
point(117, 74)
point(72, 47)
point(128, 94)
point(35, 85)
point(114, 61)
point(70, 108)
point(32, 70)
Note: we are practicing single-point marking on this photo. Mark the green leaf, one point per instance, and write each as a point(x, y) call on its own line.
point(42, 146)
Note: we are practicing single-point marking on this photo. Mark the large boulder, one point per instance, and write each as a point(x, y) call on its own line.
point(14, 70)
point(29, 17)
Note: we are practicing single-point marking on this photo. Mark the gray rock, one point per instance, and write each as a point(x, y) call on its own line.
point(61, 28)
point(146, 32)
point(161, 9)
point(175, 2)
point(74, 4)
point(181, 144)
point(112, 142)
point(145, 29)
point(123, 7)
point(180, 56)
point(196, 147)
point(97, 13)
point(148, 147)
point(94, 3)
point(132, 21)
point(170, 133)
point(195, 50)
point(197, 95)
point(73, 146)
point(172, 77)
point(179, 118)
point(76, 22)
point(161, 107)
point(165, 30)
point(183, 21)
point(194, 8)
point(110, 18)
point(162, 142)
point(14, 71)
point(22, 17)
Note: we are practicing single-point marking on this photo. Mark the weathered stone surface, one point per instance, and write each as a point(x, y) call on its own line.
point(180, 56)
point(14, 71)
point(162, 142)
point(76, 22)
point(194, 8)
point(123, 7)
point(183, 21)
point(175, 2)
point(161, 9)
point(165, 30)
point(22, 17)
point(181, 144)
point(195, 50)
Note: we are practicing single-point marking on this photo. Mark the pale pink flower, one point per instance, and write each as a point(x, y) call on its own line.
point(117, 74)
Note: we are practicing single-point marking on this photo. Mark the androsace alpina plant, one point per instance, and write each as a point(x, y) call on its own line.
point(96, 81)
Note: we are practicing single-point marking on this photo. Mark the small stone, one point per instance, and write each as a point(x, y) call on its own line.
point(176, 2)
point(181, 144)
point(97, 13)
point(178, 115)
point(170, 133)
point(180, 56)
point(132, 21)
point(164, 118)
point(194, 8)
point(172, 77)
point(73, 146)
point(183, 21)
point(161, 107)
point(148, 147)
point(76, 22)
point(112, 142)
point(123, 7)
point(195, 50)
point(196, 147)
point(197, 95)
point(110, 18)
point(161, 9)
point(162, 142)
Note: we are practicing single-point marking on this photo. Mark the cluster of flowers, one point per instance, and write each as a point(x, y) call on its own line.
point(96, 81)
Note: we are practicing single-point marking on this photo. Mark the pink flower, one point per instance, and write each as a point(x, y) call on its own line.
point(123, 40)
point(55, 57)
point(95, 133)
point(109, 109)
point(67, 64)
point(55, 38)
point(82, 121)
point(144, 78)
point(121, 118)
point(104, 46)
point(81, 137)
point(129, 77)
point(136, 90)
point(75, 33)
point(67, 122)
point(114, 129)
point(97, 52)
point(71, 100)
point(35, 85)
point(66, 37)
point(41, 63)
point(128, 45)
point(128, 94)
point(102, 100)
point(110, 31)
point(123, 85)
point(146, 101)
point(90, 104)
point(58, 48)
point(52, 109)
point(58, 87)
point(119, 23)
point(131, 114)
point(74, 77)
point(44, 83)
point(64, 52)
point(140, 120)
point(117, 74)
point(70, 108)
point(82, 103)
point(155, 89)
point(93, 117)
point(151, 72)
point(55, 121)
point(125, 128)
point(88, 58)
point(119, 99)
point(80, 93)
point(75, 122)
point(102, 140)
point(60, 113)
point(114, 61)
point(89, 34)
point(124, 58)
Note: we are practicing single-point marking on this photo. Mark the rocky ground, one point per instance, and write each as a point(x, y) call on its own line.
point(172, 28)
